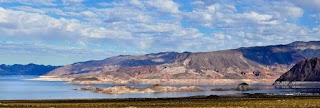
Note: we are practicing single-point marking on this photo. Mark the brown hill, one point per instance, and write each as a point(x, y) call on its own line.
point(306, 70)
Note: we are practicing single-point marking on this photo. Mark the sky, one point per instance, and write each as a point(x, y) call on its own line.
point(60, 32)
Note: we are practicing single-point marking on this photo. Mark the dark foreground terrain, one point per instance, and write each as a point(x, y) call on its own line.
point(254, 101)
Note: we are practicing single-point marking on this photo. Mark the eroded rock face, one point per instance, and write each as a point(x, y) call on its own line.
point(306, 70)
point(153, 89)
point(265, 62)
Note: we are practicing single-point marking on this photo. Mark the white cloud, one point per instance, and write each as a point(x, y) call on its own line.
point(226, 15)
point(308, 4)
point(264, 23)
point(203, 18)
point(164, 5)
point(282, 10)
point(222, 36)
point(259, 18)
point(136, 3)
point(111, 15)
point(72, 2)
point(142, 35)
point(32, 2)
point(316, 16)
point(37, 26)
point(30, 9)
point(197, 3)
point(88, 14)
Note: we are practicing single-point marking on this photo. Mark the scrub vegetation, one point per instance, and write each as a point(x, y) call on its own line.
point(211, 101)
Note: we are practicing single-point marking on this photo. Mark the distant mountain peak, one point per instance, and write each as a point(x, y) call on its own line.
point(28, 69)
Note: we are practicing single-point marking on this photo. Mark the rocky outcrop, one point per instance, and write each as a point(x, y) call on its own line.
point(88, 88)
point(152, 89)
point(85, 80)
point(264, 62)
point(29, 69)
point(240, 87)
point(243, 87)
point(306, 70)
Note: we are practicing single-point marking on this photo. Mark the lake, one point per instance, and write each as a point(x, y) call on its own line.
point(17, 88)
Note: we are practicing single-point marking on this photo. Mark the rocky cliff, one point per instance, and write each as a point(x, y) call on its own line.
point(263, 62)
point(306, 70)
point(29, 69)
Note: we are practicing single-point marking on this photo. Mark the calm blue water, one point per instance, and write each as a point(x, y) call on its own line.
point(16, 88)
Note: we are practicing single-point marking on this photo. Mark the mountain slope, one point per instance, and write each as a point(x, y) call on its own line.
point(29, 69)
point(113, 63)
point(306, 70)
point(263, 62)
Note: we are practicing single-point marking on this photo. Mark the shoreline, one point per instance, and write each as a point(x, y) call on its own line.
point(49, 78)
point(156, 98)
point(297, 84)
point(162, 81)
point(230, 96)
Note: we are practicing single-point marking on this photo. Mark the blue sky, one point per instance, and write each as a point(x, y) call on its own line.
point(60, 32)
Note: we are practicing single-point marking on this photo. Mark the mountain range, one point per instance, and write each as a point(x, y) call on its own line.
point(260, 62)
point(29, 69)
